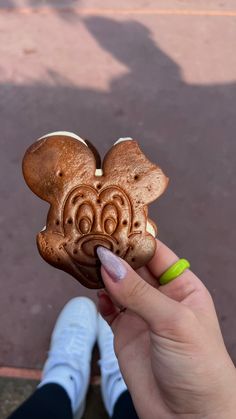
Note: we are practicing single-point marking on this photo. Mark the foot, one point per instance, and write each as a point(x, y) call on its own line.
point(113, 384)
point(72, 341)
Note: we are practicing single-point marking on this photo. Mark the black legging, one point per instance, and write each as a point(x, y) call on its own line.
point(52, 402)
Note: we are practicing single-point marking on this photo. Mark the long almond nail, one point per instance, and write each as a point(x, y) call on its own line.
point(112, 264)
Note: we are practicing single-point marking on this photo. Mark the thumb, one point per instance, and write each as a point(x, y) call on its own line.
point(129, 290)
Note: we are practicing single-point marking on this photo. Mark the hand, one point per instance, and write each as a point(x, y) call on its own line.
point(168, 341)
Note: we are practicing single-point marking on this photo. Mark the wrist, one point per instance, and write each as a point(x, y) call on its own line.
point(220, 401)
point(223, 406)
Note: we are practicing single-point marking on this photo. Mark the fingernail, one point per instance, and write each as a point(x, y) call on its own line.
point(112, 264)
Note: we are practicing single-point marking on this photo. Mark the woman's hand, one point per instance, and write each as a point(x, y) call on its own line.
point(168, 341)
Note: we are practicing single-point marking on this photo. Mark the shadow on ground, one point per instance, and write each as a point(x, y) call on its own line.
point(188, 129)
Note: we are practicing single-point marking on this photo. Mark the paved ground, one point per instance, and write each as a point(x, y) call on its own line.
point(162, 74)
point(14, 391)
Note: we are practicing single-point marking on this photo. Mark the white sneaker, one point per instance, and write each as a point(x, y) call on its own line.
point(113, 384)
point(72, 341)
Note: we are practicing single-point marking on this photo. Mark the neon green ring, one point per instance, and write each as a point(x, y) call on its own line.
point(174, 271)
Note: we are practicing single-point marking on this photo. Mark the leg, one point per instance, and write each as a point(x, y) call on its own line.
point(115, 395)
point(66, 373)
point(124, 407)
point(48, 402)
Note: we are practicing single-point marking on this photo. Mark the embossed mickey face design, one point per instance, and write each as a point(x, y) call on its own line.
point(90, 209)
point(98, 217)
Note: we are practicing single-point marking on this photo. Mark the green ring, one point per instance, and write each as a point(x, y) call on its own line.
point(174, 271)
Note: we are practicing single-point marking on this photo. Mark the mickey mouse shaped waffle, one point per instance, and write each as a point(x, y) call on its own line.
point(92, 206)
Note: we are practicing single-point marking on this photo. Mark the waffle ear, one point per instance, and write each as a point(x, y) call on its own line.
point(126, 165)
point(55, 161)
